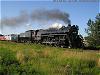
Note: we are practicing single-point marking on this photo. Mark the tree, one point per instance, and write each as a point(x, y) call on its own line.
point(93, 31)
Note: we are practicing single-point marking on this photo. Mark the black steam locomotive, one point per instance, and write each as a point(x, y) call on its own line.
point(62, 37)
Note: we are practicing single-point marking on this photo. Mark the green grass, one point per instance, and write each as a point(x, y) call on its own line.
point(36, 59)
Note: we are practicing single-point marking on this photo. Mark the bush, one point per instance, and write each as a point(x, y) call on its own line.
point(8, 62)
point(9, 65)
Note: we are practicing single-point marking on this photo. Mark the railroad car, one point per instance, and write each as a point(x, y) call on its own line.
point(2, 37)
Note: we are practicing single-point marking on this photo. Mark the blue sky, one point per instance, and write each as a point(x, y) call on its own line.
point(79, 12)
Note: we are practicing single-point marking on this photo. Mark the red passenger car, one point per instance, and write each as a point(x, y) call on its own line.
point(2, 37)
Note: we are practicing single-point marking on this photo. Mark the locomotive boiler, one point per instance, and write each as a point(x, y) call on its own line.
point(62, 37)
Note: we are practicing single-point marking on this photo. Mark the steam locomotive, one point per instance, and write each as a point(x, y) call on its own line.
point(62, 37)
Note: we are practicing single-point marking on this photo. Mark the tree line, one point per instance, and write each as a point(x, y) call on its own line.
point(93, 31)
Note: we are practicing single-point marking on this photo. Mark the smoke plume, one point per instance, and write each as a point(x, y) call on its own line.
point(14, 21)
point(40, 15)
point(50, 15)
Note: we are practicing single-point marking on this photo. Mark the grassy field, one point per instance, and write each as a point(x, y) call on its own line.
point(35, 59)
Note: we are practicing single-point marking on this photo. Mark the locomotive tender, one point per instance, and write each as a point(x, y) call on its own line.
point(62, 37)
